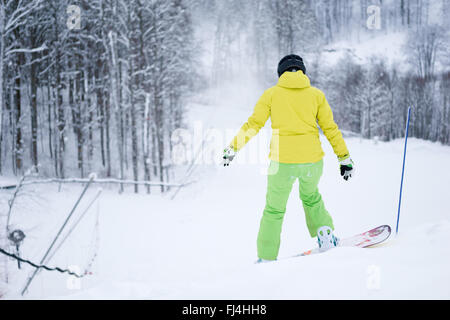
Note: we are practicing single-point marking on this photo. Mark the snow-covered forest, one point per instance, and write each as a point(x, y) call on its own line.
point(101, 85)
point(93, 84)
point(369, 96)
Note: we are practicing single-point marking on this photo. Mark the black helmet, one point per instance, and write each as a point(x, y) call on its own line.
point(289, 62)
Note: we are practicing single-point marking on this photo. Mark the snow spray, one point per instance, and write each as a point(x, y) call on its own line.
point(403, 169)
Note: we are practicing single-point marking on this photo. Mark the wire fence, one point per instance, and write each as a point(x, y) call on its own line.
point(10, 241)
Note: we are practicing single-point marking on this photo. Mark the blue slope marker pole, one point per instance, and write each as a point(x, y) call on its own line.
point(403, 169)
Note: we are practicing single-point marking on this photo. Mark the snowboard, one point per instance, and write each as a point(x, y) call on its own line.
point(362, 240)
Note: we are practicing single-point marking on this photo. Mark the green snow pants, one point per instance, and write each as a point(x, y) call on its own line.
point(281, 177)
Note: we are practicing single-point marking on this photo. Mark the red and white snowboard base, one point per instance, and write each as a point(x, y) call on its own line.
point(363, 240)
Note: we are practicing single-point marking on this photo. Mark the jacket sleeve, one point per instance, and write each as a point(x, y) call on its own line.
point(330, 129)
point(256, 121)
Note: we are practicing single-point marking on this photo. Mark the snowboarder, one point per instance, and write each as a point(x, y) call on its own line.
point(295, 108)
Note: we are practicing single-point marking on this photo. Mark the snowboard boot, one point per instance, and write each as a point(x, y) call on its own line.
point(326, 238)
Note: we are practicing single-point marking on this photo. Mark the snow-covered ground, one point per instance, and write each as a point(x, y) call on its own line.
point(389, 47)
point(202, 244)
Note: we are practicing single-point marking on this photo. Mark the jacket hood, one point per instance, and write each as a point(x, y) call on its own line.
point(294, 80)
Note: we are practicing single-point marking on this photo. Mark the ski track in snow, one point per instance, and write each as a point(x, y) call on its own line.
point(202, 245)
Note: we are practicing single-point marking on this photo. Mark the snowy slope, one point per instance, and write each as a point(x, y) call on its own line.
point(202, 245)
point(389, 47)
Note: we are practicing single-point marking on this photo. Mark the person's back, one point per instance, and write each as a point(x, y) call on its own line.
point(295, 109)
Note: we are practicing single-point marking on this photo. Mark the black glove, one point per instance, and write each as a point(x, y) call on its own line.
point(347, 168)
point(228, 156)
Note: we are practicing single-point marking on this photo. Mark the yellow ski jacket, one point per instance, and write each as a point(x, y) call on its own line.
point(295, 109)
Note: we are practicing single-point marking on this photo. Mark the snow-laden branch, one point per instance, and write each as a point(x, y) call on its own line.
point(20, 13)
point(26, 50)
